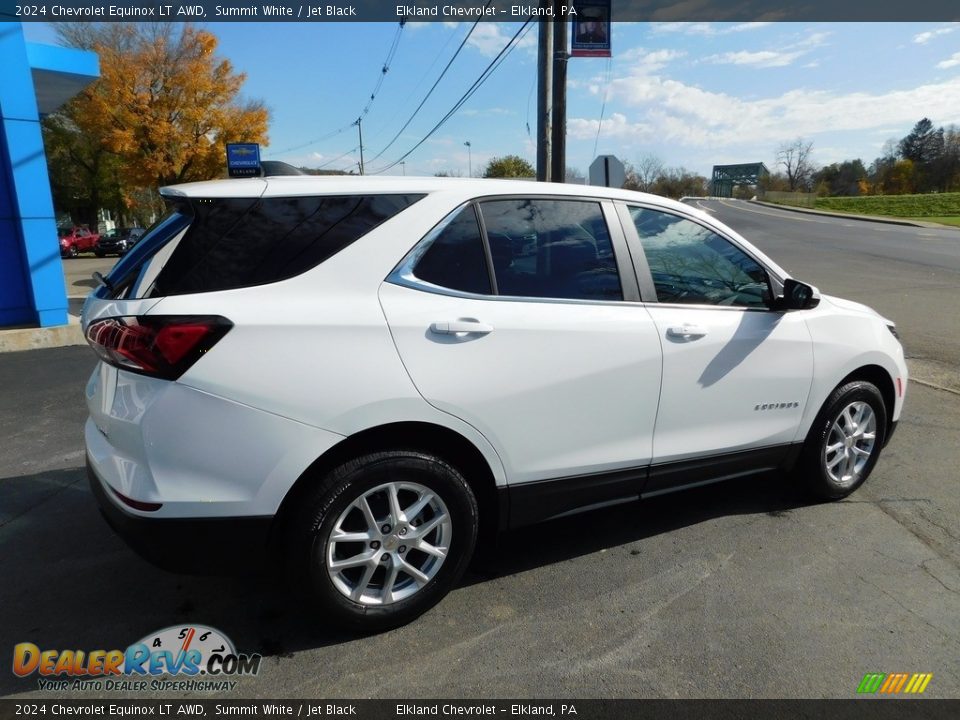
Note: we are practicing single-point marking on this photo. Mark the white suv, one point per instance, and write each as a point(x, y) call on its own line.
point(363, 373)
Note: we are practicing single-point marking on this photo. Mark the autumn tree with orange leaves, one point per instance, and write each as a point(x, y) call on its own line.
point(162, 111)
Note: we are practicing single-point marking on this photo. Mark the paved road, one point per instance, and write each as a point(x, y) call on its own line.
point(78, 277)
point(736, 590)
point(908, 274)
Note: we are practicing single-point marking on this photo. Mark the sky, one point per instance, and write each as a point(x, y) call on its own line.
point(692, 94)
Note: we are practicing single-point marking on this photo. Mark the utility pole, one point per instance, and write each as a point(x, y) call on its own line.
point(469, 159)
point(360, 130)
point(544, 96)
point(558, 149)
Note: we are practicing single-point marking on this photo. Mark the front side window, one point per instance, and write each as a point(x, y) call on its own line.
point(691, 264)
point(551, 249)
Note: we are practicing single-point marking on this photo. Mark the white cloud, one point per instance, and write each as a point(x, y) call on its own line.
point(487, 111)
point(489, 38)
point(706, 29)
point(644, 60)
point(616, 126)
point(925, 37)
point(950, 62)
point(760, 58)
point(771, 58)
point(672, 111)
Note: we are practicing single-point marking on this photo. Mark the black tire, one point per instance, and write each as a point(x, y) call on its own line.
point(72, 251)
point(321, 508)
point(99, 253)
point(816, 455)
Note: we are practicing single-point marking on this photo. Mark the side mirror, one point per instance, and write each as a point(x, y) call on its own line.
point(798, 296)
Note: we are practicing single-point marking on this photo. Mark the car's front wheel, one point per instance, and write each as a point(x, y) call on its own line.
point(845, 440)
point(383, 538)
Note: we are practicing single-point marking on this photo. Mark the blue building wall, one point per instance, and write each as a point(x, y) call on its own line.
point(31, 274)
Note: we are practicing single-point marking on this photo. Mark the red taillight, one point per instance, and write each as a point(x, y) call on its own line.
point(161, 346)
point(137, 504)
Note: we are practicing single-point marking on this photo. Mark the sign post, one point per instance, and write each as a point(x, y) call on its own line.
point(608, 171)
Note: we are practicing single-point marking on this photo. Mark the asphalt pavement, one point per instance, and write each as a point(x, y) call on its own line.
point(744, 589)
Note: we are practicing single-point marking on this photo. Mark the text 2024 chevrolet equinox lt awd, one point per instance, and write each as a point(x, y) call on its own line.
point(364, 371)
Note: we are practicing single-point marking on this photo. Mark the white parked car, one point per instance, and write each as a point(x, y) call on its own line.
point(364, 373)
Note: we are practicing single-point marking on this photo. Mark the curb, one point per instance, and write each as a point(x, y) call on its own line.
point(40, 338)
point(849, 216)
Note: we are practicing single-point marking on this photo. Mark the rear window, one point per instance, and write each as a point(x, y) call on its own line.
point(232, 243)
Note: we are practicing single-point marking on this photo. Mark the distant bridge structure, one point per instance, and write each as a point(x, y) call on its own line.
point(726, 177)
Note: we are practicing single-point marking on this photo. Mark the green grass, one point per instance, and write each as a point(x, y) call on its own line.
point(943, 220)
point(934, 207)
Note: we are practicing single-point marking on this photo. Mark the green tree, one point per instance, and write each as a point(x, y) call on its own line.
point(83, 173)
point(509, 166)
point(923, 146)
point(840, 178)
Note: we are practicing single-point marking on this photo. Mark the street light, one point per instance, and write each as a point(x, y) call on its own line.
point(403, 166)
point(469, 159)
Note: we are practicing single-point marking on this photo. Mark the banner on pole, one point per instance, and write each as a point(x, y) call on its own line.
point(591, 29)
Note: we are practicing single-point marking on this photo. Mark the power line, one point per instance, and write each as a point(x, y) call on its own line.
point(329, 135)
point(603, 106)
point(426, 73)
point(385, 68)
point(488, 71)
point(338, 157)
point(432, 88)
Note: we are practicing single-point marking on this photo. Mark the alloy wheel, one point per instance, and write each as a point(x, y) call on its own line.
point(389, 543)
point(850, 443)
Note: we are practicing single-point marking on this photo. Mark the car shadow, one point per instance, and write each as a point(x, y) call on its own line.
point(70, 583)
point(590, 532)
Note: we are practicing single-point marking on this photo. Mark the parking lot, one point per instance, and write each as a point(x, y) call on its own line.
point(744, 589)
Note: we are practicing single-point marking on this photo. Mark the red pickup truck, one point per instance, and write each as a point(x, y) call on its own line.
point(76, 240)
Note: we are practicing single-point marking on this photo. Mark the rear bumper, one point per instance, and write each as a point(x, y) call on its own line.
point(222, 545)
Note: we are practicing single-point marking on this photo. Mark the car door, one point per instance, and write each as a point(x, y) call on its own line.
point(515, 315)
point(736, 374)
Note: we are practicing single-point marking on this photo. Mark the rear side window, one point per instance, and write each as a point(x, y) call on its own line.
point(551, 249)
point(455, 258)
point(233, 243)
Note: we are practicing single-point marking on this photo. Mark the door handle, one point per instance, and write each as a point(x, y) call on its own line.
point(455, 327)
point(686, 332)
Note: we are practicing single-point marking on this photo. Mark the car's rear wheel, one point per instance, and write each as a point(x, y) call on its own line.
point(845, 440)
point(383, 538)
